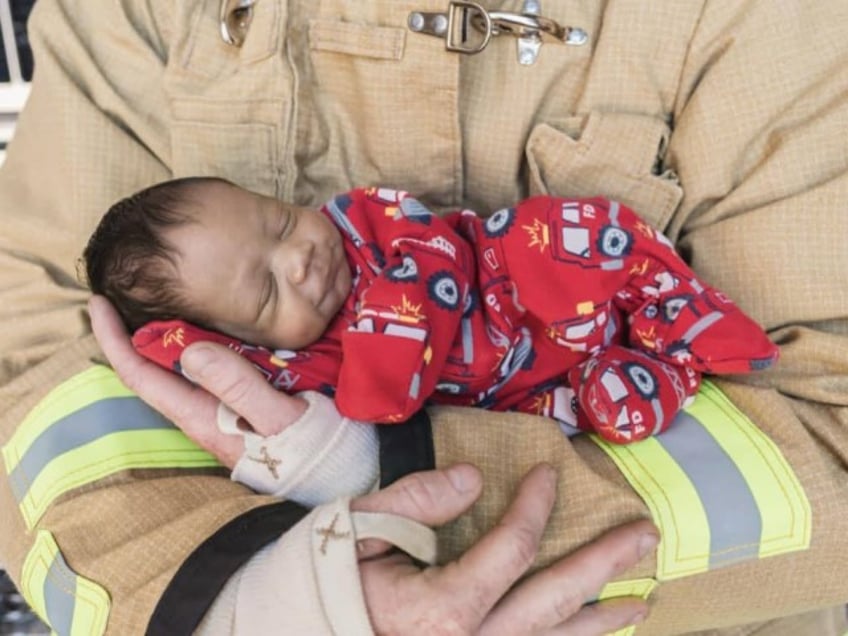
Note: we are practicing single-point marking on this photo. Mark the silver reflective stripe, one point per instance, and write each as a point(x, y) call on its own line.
point(732, 512)
point(70, 603)
point(101, 418)
point(59, 596)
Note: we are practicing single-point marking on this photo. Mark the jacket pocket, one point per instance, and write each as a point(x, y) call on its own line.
point(378, 102)
point(203, 52)
point(615, 155)
point(229, 105)
point(229, 139)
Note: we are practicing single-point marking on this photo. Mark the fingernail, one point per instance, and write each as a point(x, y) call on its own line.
point(458, 478)
point(196, 357)
point(647, 543)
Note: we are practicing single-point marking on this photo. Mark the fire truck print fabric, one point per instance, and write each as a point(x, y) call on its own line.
point(573, 309)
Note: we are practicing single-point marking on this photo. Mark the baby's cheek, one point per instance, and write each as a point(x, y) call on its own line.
point(306, 330)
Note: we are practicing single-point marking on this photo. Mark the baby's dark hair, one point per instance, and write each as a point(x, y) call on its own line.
point(128, 260)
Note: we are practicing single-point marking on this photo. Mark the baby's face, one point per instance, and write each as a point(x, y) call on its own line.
point(259, 269)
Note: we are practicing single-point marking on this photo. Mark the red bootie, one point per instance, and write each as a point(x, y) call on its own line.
point(625, 395)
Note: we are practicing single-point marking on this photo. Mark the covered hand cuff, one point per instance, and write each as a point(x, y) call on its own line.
point(320, 457)
point(307, 582)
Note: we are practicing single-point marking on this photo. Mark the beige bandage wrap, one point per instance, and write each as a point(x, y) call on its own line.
point(308, 580)
point(320, 457)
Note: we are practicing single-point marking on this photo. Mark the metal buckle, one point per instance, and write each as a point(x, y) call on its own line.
point(235, 17)
point(454, 26)
point(530, 27)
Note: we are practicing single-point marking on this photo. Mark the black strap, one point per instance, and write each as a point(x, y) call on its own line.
point(406, 448)
point(201, 577)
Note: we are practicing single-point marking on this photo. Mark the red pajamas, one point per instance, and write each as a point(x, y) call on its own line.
point(508, 313)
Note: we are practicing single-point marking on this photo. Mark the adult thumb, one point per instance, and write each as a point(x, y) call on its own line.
point(236, 382)
point(431, 497)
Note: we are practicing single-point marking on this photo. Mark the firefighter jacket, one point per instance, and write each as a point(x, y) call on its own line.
point(723, 122)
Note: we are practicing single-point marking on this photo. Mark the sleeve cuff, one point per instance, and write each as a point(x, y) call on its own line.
point(308, 581)
point(320, 457)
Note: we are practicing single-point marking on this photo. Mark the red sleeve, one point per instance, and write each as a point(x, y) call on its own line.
point(314, 368)
point(409, 316)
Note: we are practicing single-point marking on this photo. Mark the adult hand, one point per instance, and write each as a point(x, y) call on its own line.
point(221, 376)
point(475, 593)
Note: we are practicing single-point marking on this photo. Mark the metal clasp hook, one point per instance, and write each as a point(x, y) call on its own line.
point(235, 17)
point(455, 26)
point(463, 18)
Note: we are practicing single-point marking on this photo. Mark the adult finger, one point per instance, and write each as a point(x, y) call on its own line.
point(471, 585)
point(172, 396)
point(506, 551)
point(236, 383)
point(481, 576)
point(431, 497)
point(553, 595)
point(603, 618)
point(189, 407)
point(456, 597)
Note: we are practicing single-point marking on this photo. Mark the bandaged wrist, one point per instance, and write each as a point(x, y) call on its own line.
point(318, 458)
point(307, 582)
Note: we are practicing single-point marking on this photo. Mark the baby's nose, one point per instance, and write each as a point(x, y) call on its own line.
point(297, 272)
point(298, 265)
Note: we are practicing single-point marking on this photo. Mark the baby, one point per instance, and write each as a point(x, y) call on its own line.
point(574, 309)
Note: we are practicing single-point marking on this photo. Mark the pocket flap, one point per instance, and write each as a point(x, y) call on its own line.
point(615, 156)
point(363, 40)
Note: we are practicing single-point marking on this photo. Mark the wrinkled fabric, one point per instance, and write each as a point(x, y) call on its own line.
point(722, 121)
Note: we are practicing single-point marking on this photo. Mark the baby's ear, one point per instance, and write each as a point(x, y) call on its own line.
point(81, 272)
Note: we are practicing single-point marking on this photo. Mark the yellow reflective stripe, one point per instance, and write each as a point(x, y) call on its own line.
point(674, 504)
point(632, 587)
point(718, 488)
point(784, 508)
point(641, 588)
point(91, 385)
point(119, 451)
point(72, 605)
point(87, 428)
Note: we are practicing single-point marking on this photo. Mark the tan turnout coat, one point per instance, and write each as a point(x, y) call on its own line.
point(724, 122)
